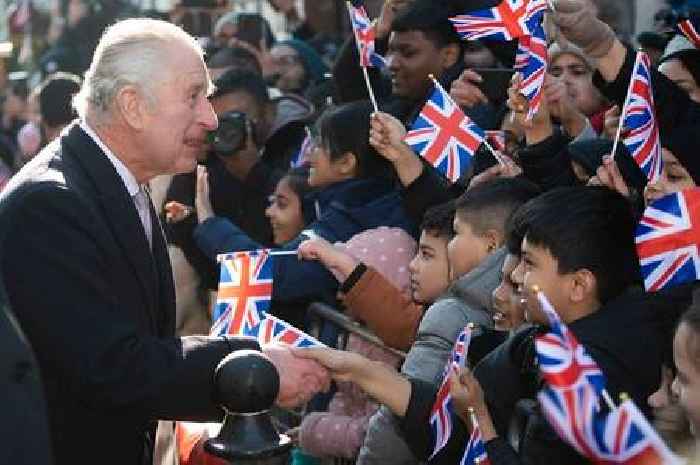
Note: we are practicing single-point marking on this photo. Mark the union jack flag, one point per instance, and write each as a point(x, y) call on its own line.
point(531, 62)
point(497, 139)
point(272, 329)
point(302, 157)
point(444, 135)
point(441, 413)
point(509, 20)
point(689, 28)
point(624, 436)
point(563, 361)
point(364, 36)
point(245, 292)
point(475, 453)
point(571, 413)
point(667, 239)
point(639, 118)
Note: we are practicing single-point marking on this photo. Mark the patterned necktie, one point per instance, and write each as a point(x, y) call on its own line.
point(142, 202)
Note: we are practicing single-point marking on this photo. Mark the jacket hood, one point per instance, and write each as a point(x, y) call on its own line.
point(291, 109)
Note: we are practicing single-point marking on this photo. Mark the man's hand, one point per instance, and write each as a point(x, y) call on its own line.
point(300, 378)
point(176, 211)
point(386, 135)
point(540, 126)
point(612, 122)
point(201, 201)
point(465, 92)
point(240, 163)
point(342, 365)
point(578, 23)
point(389, 11)
point(507, 169)
point(609, 175)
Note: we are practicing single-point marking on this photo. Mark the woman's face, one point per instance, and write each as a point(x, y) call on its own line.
point(676, 72)
point(578, 78)
point(288, 69)
point(674, 178)
point(284, 213)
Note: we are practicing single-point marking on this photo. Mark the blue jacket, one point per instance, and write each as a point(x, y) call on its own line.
point(341, 211)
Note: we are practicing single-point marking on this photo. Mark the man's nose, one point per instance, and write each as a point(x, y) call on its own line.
point(208, 117)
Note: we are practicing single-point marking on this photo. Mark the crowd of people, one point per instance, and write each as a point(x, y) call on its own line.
point(144, 154)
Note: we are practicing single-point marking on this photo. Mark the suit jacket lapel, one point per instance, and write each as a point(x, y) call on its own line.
point(119, 211)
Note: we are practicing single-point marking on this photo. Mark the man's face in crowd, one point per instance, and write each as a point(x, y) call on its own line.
point(288, 67)
point(687, 383)
point(244, 103)
point(429, 268)
point(177, 124)
point(412, 57)
point(578, 78)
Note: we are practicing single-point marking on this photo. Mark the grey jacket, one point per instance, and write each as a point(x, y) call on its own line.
point(467, 300)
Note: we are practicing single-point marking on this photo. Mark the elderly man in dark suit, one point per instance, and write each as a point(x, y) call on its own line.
point(85, 262)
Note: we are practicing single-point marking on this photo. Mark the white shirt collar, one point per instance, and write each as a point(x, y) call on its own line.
point(126, 176)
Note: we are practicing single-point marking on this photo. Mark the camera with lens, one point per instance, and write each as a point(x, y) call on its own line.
point(232, 134)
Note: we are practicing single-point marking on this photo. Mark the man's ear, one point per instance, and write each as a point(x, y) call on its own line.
point(583, 286)
point(347, 164)
point(450, 55)
point(131, 106)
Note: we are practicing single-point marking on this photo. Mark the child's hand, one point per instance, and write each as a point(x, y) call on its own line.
point(466, 393)
point(507, 169)
point(608, 174)
point(339, 263)
point(386, 135)
point(465, 91)
point(176, 211)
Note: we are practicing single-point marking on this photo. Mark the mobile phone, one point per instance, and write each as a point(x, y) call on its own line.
point(250, 29)
point(495, 83)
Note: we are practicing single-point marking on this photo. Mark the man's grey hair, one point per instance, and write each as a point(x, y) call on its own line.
point(132, 52)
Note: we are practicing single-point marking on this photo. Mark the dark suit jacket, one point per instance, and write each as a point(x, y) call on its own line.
point(99, 307)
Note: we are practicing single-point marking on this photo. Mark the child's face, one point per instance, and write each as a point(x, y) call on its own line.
point(539, 268)
point(507, 298)
point(429, 269)
point(687, 383)
point(284, 213)
point(324, 171)
point(466, 249)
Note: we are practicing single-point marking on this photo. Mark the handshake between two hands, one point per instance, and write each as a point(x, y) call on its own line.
point(300, 378)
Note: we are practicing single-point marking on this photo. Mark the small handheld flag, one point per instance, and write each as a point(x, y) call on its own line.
point(639, 118)
point(690, 28)
point(475, 452)
point(364, 39)
point(667, 238)
point(509, 20)
point(444, 135)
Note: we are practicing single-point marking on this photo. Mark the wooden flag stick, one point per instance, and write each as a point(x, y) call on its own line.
point(223, 256)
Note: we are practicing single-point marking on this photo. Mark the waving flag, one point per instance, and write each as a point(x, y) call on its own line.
point(302, 156)
point(272, 329)
point(497, 139)
point(441, 413)
point(624, 436)
point(531, 62)
point(364, 36)
point(563, 361)
point(667, 239)
point(475, 453)
point(444, 135)
point(639, 118)
point(690, 29)
point(509, 20)
point(245, 291)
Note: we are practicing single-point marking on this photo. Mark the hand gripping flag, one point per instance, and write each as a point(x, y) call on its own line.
point(272, 329)
point(563, 361)
point(509, 20)
point(475, 453)
point(441, 413)
point(667, 238)
point(497, 139)
point(690, 28)
point(364, 36)
point(444, 135)
point(245, 292)
point(639, 119)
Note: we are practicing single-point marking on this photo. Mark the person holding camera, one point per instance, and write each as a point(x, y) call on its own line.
point(248, 154)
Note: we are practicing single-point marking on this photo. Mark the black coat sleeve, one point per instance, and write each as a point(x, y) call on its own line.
point(348, 78)
point(428, 190)
point(60, 283)
point(547, 163)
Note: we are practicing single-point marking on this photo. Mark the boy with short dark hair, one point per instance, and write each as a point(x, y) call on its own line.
point(578, 248)
point(476, 256)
